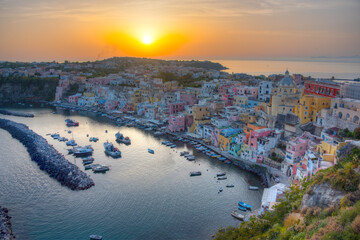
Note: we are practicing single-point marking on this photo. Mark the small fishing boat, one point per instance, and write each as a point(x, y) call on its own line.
point(101, 169)
point(230, 185)
point(71, 123)
point(172, 146)
point(89, 158)
point(71, 143)
point(91, 166)
point(55, 135)
point(158, 133)
point(220, 174)
point(253, 188)
point(121, 139)
point(245, 205)
point(70, 151)
point(198, 173)
point(222, 178)
point(242, 208)
point(237, 215)
point(184, 153)
point(95, 237)
point(220, 189)
point(190, 157)
point(111, 150)
point(150, 151)
point(83, 151)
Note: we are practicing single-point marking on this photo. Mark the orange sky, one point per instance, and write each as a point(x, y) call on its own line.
point(204, 29)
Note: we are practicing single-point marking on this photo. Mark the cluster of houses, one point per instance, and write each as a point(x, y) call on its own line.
point(285, 121)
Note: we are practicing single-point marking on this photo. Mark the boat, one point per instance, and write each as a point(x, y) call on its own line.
point(69, 131)
point(230, 185)
point(93, 139)
point(88, 162)
point(148, 129)
point(121, 139)
point(237, 215)
point(91, 166)
point(55, 135)
point(158, 133)
point(83, 151)
point(220, 174)
point(89, 158)
point(63, 139)
point(220, 189)
point(151, 151)
point(253, 188)
point(190, 157)
point(71, 123)
point(70, 151)
point(242, 208)
point(245, 205)
point(172, 146)
point(111, 150)
point(101, 169)
point(71, 143)
point(95, 237)
point(195, 173)
point(184, 153)
point(222, 178)
point(227, 161)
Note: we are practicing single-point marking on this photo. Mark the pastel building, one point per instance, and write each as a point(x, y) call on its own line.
point(309, 106)
point(265, 88)
point(189, 98)
point(322, 88)
point(176, 107)
point(177, 122)
point(74, 98)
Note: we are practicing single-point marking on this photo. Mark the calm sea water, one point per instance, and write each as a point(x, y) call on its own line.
point(143, 196)
point(343, 69)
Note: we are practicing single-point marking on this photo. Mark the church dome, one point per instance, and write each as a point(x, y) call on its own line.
point(287, 81)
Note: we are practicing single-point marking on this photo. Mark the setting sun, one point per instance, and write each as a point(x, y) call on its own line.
point(147, 39)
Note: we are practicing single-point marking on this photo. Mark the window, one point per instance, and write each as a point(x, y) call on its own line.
point(306, 113)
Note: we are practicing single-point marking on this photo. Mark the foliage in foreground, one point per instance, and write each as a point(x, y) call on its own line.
point(288, 222)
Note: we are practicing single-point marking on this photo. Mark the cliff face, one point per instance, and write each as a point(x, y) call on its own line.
point(321, 195)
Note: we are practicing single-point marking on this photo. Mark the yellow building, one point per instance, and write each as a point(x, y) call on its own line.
point(328, 150)
point(240, 100)
point(224, 142)
point(201, 115)
point(309, 106)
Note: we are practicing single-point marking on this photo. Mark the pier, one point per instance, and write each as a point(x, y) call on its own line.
point(17, 114)
point(47, 157)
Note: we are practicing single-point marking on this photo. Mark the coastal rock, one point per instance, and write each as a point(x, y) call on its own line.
point(321, 195)
point(6, 232)
point(47, 157)
point(17, 114)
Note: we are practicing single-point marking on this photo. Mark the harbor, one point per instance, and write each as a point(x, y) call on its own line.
point(138, 181)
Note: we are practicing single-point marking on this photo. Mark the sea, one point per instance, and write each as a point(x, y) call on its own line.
point(143, 196)
point(339, 68)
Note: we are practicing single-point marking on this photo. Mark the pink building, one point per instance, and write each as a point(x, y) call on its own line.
point(228, 99)
point(225, 89)
point(111, 105)
point(74, 98)
point(188, 98)
point(176, 107)
point(177, 122)
point(257, 135)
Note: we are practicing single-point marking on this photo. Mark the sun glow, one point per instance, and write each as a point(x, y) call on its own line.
point(147, 39)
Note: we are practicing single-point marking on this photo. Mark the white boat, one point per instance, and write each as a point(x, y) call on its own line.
point(190, 157)
point(220, 189)
point(95, 237)
point(184, 153)
point(111, 150)
point(237, 215)
point(100, 169)
point(82, 151)
point(253, 188)
point(230, 185)
point(71, 143)
point(220, 174)
point(222, 178)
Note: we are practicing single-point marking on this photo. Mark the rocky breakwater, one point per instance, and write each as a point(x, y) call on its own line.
point(255, 169)
point(6, 232)
point(17, 114)
point(47, 157)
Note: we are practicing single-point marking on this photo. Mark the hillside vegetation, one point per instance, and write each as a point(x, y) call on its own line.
point(325, 207)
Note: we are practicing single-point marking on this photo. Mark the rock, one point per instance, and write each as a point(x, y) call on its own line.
point(47, 157)
point(6, 232)
point(321, 195)
point(17, 114)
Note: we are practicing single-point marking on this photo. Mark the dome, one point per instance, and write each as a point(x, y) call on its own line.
point(287, 81)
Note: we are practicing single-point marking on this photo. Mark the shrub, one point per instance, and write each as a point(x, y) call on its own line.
point(355, 225)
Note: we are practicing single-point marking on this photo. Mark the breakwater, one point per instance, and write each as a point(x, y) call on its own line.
point(17, 114)
point(47, 157)
point(6, 232)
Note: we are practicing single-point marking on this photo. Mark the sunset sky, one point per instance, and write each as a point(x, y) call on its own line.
point(46, 30)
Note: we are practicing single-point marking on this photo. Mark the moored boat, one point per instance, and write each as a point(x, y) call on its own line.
point(220, 189)
point(150, 151)
point(71, 123)
point(222, 178)
point(198, 173)
point(83, 151)
point(95, 237)
point(253, 188)
point(220, 174)
point(230, 185)
point(184, 153)
point(237, 215)
point(242, 208)
point(71, 143)
point(101, 169)
point(245, 205)
point(121, 139)
point(111, 150)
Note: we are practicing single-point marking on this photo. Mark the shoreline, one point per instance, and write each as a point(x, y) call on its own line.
point(6, 231)
point(47, 157)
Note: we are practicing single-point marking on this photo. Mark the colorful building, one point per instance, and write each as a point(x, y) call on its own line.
point(322, 88)
point(309, 106)
point(177, 122)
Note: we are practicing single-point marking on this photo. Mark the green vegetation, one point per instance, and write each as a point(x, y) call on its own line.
point(28, 88)
point(186, 81)
point(288, 222)
point(346, 133)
